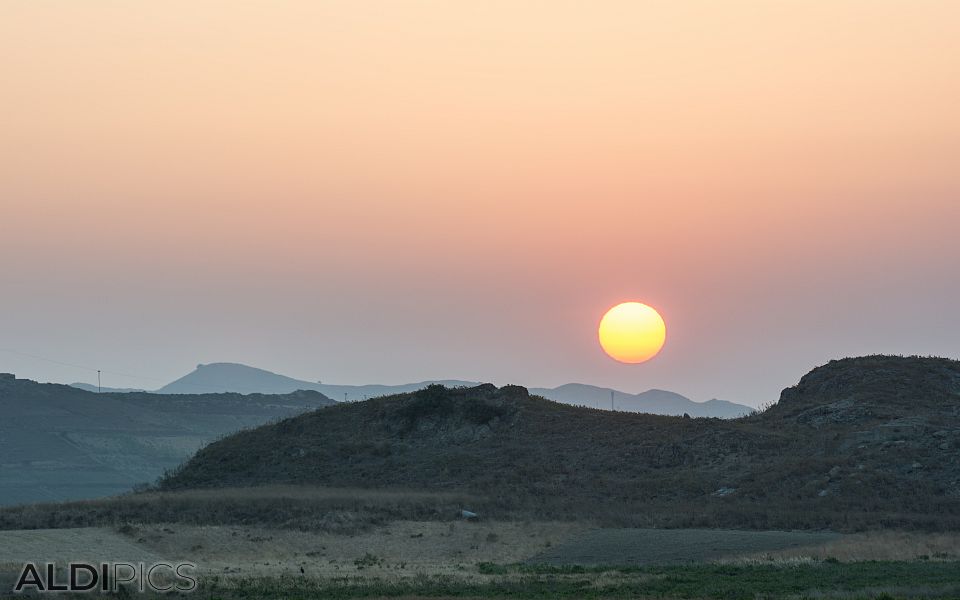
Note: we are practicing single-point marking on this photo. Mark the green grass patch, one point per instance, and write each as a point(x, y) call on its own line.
point(867, 580)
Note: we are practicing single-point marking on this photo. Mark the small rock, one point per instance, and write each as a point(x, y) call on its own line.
point(724, 491)
point(944, 445)
point(916, 465)
point(835, 471)
point(823, 493)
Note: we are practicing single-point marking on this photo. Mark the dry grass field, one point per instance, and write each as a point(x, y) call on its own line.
point(458, 558)
point(398, 550)
point(401, 548)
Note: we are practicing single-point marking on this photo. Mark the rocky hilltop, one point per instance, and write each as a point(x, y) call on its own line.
point(858, 443)
point(872, 390)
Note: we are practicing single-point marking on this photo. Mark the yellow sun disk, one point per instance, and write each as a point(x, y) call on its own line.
point(632, 332)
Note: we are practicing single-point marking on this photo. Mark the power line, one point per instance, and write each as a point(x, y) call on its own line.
point(76, 366)
point(50, 360)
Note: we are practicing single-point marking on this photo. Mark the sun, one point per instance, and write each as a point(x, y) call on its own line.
point(632, 332)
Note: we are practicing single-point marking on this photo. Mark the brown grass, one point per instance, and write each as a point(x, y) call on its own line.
point(877, 545)
point(308, 508)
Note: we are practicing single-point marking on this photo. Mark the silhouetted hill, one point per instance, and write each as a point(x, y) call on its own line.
point(58, 442)
point(217, 378)
point(234, 377)
point(811, 461)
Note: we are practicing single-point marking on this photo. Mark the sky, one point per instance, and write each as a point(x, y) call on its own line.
point(359, 191)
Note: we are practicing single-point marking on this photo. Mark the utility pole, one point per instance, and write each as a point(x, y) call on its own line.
point(345, 396)
point(98, 381)
point(611, 400)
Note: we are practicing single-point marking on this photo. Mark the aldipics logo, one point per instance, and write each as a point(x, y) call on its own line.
point(106, 577)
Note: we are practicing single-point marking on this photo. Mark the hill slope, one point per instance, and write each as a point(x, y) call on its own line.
point(811, 461)
point(58, 442)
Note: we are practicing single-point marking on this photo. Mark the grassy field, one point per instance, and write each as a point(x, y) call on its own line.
point(276, 542)
point(638, 547)
point(873, 580)
point(489, 559)
point(825, 579)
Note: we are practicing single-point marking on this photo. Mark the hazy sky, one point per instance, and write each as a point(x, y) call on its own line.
point(366, 191)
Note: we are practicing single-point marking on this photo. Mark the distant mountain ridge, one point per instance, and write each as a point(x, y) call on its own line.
point(658, 402)
point(89, 387)
point(216, 378)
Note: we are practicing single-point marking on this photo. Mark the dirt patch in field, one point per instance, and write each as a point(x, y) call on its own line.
point(672, 546)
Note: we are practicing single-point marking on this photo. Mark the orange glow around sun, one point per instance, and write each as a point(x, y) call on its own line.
point(632, 332)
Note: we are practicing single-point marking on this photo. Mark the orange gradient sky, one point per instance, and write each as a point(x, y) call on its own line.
point(394, 191)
